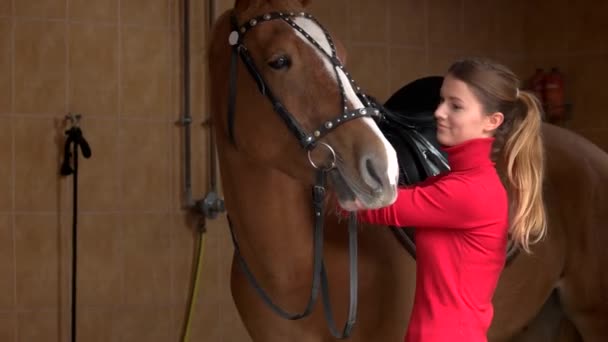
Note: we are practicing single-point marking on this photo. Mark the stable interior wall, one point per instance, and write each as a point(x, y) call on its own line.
point(117, 63)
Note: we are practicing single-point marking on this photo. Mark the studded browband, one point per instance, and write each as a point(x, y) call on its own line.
point(307, 140)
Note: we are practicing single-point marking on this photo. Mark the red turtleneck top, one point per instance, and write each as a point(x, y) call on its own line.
point(461, 220)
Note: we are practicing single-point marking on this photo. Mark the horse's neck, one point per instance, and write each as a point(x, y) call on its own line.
point(271, 212)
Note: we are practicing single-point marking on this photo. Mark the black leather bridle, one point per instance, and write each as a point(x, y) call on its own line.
point(308, 141)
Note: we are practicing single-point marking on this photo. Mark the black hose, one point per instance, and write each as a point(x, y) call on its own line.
point(75, 138)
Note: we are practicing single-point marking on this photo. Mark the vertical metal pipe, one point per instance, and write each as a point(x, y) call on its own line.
point(187, 116)
point(211, 132)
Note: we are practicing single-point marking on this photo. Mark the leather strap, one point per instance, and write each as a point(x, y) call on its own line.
point(353, 286)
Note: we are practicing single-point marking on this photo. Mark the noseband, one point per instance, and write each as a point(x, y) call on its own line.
point(308, 140)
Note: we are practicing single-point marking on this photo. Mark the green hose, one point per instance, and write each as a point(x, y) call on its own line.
point(195, 285)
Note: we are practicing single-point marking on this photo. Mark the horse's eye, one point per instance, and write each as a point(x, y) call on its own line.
point(280, 62)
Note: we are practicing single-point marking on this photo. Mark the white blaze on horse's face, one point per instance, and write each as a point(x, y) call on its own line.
point(318, 35)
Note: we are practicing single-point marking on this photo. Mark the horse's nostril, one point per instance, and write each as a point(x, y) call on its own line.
point(376, 181)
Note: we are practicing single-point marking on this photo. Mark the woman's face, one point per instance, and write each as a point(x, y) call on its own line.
point(460, 115)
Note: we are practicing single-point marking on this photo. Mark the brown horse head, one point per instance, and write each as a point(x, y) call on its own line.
point(315, 91)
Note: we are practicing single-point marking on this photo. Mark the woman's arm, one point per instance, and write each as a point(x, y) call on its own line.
point(448, 202)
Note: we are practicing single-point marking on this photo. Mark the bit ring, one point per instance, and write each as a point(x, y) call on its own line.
point(331, 165)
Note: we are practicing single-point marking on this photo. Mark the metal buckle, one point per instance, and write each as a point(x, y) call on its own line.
point(331, 165)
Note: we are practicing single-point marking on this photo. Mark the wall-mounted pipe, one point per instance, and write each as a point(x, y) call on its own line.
point(186, 118)
point(212, 146)
point(212, 205)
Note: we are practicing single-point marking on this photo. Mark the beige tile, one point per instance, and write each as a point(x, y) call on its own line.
point(39, 326)
point(177, 322)
point(546, 26)
point(93, 69)
point(40, 60)
point(94, 11)
point(145, 12)
point(588, 29)
point(147, 259)
point(334, 16)
point(6, 7)
point(441, 60)
point(237, 332)
point(96, 325)
point(146, 324)
point(588, 91)
point(38, 244)
point(369, 21)
point(38, 186)
point(8, 324)
point(368, 66)
point(446, 29)
point(406, 65)
point(145, 165)
point(519, 65)
point(509, 29)
point(7, 264)
point(41, 8)
point(175, 95)
point(100, 261)
point(6, 68)
point(175, 14)
point(479, 26)
point(408, 22)
point(596, 136)
point(198, 70)
point(98, 176)
point(6, 164)
point(145, 73)
point(222, 6)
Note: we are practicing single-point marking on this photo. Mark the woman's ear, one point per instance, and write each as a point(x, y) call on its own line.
point(493, 121)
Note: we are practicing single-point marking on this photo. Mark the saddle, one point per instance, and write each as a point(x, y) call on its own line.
point(408, 123)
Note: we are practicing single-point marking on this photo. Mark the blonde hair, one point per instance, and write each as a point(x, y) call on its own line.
point(518, 148)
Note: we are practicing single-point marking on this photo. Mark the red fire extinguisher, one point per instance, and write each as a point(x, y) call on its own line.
point(554, 95)
point(537, 85)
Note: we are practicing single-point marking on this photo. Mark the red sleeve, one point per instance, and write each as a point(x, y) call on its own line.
point(449, 202)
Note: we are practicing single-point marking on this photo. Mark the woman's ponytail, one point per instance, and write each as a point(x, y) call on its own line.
point(523, 158)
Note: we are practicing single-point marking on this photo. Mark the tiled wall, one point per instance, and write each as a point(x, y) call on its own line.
point(574, 37)
point(393, 42)
point(118, 63)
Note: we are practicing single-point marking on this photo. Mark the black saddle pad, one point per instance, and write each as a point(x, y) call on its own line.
point(409, 125)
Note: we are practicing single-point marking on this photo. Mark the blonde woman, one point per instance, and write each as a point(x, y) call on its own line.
point(490, 130)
